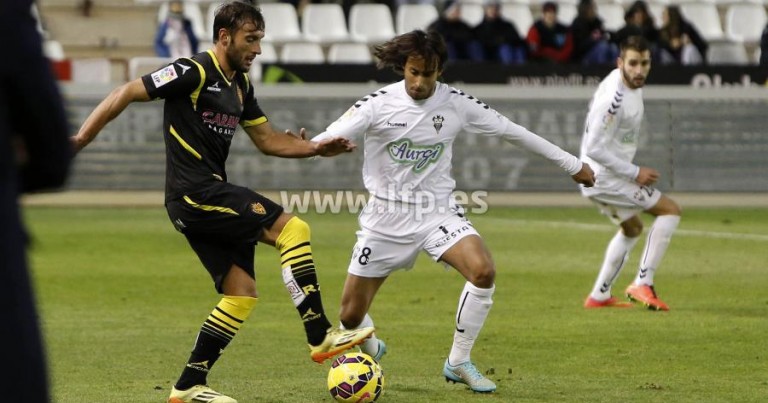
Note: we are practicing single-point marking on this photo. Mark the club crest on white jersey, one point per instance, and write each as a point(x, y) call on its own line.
point(437, 122)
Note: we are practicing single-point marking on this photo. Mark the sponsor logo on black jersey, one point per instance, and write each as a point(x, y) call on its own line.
point(214, 87)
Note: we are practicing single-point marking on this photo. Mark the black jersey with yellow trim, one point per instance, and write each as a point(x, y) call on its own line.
point(202, 111)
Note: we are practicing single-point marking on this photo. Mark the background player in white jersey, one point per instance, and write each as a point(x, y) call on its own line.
point(623, 189)
point(409, 130)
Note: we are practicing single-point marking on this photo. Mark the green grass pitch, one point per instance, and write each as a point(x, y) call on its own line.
point(122, 296)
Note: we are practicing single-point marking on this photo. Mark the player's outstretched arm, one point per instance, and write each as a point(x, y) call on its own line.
point(114, 104)
point(290, 145)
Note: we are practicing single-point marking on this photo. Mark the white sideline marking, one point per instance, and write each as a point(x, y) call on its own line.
point(605, 227)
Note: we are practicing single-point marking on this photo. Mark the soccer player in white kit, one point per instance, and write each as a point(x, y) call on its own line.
point(409, 128)
point(624, 189)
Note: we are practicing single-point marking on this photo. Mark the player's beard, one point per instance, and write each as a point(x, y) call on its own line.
point(632, 83)
point(236, 59)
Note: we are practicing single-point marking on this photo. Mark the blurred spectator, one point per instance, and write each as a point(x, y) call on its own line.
point(549, 40)
point(459, 36)
point(175, 37)
point(638, 21)
point(679, 41)
point(499, 38)
point(764, 48)
point(591, 44)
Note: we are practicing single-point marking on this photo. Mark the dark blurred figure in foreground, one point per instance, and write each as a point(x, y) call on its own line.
point(34, 155)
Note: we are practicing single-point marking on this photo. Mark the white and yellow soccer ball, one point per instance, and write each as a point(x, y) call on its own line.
point(355, 377)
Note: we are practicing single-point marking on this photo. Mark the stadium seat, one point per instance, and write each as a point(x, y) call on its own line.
point(472, 13)
point(414, 16)
point(191, 11)
point(612, 15)
point(744, 22)
point(520, 15)
point(657, 10)
point(627, 3)
point(210, 15)
point(566, 12)
point(38, 21)
point(732, 53)
point(302, 52)
point(371, 23)
point(350, 53)
point(538, 3)
point(91, 71)
point(282, 23)
point(324, 23)
point(140, 65)
point(705, 17)
point(268, 53)
point(53, 50)
point(204, 45)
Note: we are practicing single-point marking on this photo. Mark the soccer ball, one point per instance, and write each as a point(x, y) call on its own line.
point(355, 377)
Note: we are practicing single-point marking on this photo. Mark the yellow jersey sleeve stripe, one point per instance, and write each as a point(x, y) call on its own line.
point(185, 144)
point(204, 207)
point(196, 93)
point(253, 122)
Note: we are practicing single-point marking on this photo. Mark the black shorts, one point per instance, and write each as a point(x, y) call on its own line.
point(223, 224)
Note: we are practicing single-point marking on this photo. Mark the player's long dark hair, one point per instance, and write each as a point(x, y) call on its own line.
point(428, 45)
point(233, 15)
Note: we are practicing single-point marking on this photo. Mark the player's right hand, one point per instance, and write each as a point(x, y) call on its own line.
point(586, 176)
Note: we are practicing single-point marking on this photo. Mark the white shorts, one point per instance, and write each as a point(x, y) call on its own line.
point(623, 199)
point(391, 239)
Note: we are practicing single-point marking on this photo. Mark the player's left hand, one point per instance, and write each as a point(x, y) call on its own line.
point(586, 176)
point(334, 146)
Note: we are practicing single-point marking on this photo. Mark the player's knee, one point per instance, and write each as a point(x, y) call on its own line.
point(350, 319)
point(632, 231)
point(483, 275)
point(675, 209)
point(633, 227)
point(294, 232)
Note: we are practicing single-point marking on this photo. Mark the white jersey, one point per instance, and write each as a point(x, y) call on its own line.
point(611, 133)
point(408, 144)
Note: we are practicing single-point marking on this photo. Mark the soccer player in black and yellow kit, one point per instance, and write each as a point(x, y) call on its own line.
point(206, 97)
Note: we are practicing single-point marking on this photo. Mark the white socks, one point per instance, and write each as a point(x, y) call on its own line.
point(371, 345)
point(655, 246)
point(473, 308)
point(616, 256)
point(618, 250)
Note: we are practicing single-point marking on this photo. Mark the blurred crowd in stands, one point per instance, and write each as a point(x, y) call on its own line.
point(586, 32)
point(584, 41)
